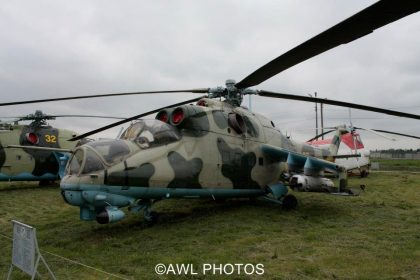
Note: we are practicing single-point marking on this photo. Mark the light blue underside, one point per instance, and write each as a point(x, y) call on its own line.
point(155, 192)
point(29, 177)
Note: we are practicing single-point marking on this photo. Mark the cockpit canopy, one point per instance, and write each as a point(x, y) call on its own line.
point(95, 155)
point(150, 133)
point(92, 156)
point(111, 150)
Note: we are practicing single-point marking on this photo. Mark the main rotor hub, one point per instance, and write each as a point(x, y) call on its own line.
point(234, 96)
point(231, 93)
point(38, 118)
point(230, 83)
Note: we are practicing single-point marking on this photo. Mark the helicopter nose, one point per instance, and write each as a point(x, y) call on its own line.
point(72, 196)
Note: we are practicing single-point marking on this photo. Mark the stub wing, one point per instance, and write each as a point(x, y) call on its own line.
point(307, 172)
point(49, 149)
point(300, 163)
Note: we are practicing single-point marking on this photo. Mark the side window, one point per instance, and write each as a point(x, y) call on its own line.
point(92, 163)
point(251, 127)
point(165, 137)
point(116, 151)
point(112, 151)
point(236, 122)
point(75, 162)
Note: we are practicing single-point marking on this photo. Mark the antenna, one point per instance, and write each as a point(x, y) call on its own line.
point(351, 124)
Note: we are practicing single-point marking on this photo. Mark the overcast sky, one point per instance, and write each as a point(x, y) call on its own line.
point(67, 48)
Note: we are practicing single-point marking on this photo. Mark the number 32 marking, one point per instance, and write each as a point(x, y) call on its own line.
point(50, 138)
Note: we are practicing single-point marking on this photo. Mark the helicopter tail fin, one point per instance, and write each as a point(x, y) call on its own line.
point(336, 140)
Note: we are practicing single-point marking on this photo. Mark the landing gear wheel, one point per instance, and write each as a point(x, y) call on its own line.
point(151, 218)
point(289, 202)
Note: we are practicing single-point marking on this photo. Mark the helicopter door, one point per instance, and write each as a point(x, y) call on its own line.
point(246, 160)
point(230, 152)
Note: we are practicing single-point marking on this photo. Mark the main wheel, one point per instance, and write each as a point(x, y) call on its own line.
point(289, 202)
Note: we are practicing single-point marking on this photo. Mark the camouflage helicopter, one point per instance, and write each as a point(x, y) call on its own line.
point(39, 148)
point(215, 148)
point(31, 164)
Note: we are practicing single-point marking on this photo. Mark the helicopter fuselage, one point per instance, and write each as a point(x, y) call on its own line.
point(23, 164)
point(207, 150)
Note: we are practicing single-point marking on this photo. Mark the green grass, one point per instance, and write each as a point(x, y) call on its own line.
point(373, 236)
point(398, 164)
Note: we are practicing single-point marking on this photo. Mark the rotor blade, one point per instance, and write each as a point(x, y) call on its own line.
point(319, 135)
point(87, 116)
point(364, 22)
point(131, 119)
point(337, 103)
point(70, 116)
point(376, 133)
point(348, 156)
point(202, 90)
point(397, 133)
point(392, 132)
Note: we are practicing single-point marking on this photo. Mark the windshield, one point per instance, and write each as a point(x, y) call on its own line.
point(92, 162)
point(148, 133)
point(75, 163)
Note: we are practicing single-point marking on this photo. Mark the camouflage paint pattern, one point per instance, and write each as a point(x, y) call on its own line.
point(210, 154)
point(215, 151)
point(27, 164)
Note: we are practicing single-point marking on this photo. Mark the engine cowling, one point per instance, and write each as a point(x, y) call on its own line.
point(304, 183)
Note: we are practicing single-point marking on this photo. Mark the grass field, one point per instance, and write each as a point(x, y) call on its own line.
point(398, 164)
point(373, 236)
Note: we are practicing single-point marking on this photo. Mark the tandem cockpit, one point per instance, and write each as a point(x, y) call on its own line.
point(151, 133)
point(143, 134)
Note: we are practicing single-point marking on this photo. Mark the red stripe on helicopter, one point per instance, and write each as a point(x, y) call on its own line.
point(346, 139)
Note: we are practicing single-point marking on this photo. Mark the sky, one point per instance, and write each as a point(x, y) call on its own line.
point(66, 48)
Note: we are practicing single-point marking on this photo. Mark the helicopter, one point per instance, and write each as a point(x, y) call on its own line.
point(30, 164)
point(358, 162)
point(40, 147)
point(215, 148)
